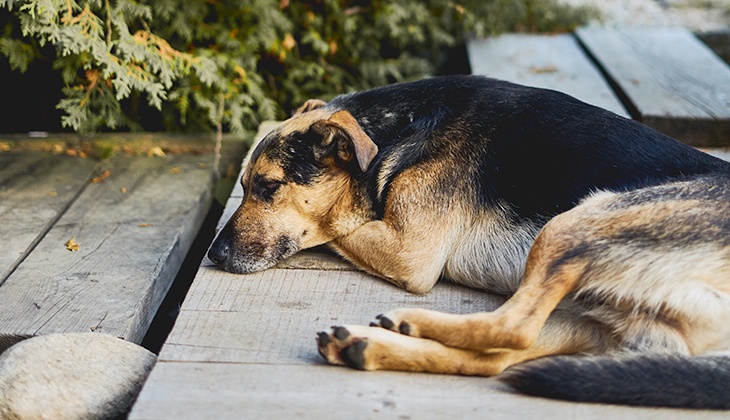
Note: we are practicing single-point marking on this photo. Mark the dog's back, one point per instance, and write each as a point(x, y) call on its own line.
point(541, 151)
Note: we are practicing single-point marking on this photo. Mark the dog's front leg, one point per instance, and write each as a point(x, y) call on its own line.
point(403, 256)
point(554, 268)
point(373, 348)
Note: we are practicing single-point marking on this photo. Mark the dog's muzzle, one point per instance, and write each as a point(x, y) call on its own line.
point(249, 256)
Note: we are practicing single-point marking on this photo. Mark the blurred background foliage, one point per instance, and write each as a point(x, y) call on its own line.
point(194, 65)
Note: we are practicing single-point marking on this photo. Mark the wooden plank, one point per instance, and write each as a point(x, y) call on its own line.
point(134, 229)
point(673, 82)
point(553, 62)
point(185, 390)
point(35, 189)
point(235, 318)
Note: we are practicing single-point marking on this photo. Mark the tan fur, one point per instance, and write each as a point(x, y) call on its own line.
point(672, 299)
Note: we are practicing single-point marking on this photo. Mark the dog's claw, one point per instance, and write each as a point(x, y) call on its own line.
point(386, 323)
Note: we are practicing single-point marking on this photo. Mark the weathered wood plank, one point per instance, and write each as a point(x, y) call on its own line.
point(553, 62)
point(134, 229)
point(242, 318)
point(185, 390)
point(35, 189)
point(673, 81)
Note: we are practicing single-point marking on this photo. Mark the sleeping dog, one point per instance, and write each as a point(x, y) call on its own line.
point(611, 239)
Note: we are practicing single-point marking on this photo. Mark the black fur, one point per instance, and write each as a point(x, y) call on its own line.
point(640, 379)
point(539, 150)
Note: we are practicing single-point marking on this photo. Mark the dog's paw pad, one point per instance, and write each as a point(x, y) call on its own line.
point(340, 333)
point(330, 346)
point(404, 328)
point(354, 355)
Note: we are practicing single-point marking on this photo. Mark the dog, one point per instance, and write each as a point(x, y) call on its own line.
point(611, 239)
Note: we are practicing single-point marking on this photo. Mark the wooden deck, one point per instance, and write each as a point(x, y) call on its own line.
point(132, 218)
point(243, 346)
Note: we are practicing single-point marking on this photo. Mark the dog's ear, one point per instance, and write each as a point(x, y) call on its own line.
point(342, 134)
point(310, 105)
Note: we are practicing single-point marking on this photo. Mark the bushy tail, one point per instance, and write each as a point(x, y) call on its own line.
point(644, 379)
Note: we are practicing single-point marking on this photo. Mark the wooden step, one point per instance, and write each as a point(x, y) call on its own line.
point(671, 80)
point(552, 62)
point(133, 229)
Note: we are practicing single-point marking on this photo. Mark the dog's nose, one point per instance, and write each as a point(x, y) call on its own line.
point(218, 252)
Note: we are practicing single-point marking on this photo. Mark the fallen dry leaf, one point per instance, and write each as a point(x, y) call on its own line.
point(124, 190)
point(155, 151)
point(544, 69)
point(52, 193)
point(72, 245)
point(143, 225)
point(174, 170)
point(4, 147)
point(101, 177)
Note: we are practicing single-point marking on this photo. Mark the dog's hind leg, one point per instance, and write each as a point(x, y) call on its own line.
point(554, 268)
point(373, 348)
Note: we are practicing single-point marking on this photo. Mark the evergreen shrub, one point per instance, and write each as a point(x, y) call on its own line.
point(233, 63)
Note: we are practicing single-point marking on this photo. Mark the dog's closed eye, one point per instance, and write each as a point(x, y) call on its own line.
point(266, 188)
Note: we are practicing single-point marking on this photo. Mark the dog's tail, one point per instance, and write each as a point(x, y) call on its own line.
point(643, 379)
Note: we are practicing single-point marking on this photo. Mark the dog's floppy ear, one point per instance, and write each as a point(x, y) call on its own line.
point(350, 138)
point(310, 105)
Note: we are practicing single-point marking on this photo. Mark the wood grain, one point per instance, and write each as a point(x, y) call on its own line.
point(553, 62)
point(673, 81)
point(35, 189)
point(273, 316)
point(133, 230)
point(185, 390)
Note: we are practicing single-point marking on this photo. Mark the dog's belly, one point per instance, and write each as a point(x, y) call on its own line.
point(490, 256)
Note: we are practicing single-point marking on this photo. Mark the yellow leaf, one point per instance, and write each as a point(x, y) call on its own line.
point(72, 245)
point(174, 170)
point(155, 151)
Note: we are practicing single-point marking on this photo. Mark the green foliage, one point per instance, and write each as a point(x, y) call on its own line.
point(233, 63)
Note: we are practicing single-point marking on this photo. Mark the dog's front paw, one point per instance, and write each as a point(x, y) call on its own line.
point(344, 346)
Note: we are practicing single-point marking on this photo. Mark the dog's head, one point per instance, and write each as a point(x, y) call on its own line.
point(297, 179)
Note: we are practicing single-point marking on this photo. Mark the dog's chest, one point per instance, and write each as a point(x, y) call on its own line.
point(490, 256)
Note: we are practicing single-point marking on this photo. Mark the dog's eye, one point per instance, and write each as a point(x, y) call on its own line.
point(271, 186)
point(266, 189)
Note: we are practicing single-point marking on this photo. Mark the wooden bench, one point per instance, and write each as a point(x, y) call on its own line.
point(133, 225)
